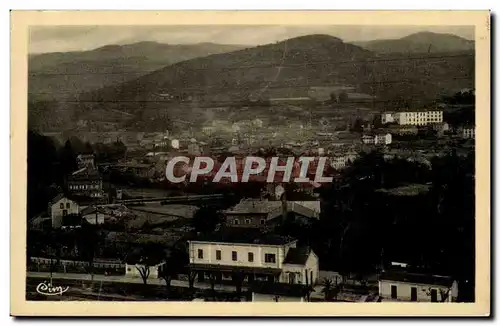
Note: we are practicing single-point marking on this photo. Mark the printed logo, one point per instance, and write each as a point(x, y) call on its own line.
point(49, 289)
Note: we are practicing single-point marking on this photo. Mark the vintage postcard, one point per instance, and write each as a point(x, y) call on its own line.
point(266, 163)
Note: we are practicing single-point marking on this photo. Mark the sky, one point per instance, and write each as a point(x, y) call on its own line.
point(82, 38)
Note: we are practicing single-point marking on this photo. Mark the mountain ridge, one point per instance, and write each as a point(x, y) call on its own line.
point(420, 42)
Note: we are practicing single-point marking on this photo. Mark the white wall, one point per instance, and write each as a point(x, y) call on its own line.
point(57, 213)
point(404, 291)
point(132, 271)
point(259, 251)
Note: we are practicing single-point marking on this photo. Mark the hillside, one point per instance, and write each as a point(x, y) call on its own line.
point(424, 42)
point(279, 69)
point(287, 69)
point(63, 75)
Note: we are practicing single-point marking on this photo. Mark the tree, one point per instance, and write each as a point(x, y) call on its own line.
point(168, 272)
point(67, 159)
point(327, 288)
point(308, 288)
point(88, 241)
point(146, 258)
point(212, 278)
point(206, 219)
point(238, 278)
point(191, 278)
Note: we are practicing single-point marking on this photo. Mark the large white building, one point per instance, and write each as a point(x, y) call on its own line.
point(415, 118)
point(60, 207)
point(258, 257)
point(406, 286)
point(377, 139)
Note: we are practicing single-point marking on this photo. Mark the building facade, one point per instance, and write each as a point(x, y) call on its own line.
point(85, 182)
point(266, 258)
point(416, 118)
point(60, 207)
point(404, 286)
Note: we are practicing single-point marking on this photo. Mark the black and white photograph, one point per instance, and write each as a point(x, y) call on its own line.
point(253, 163)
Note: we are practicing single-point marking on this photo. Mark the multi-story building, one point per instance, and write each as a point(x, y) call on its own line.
point(387, 117)
point(416, 118)
point(85, 182)
point(377, 139)
point(407, 286)
point(60, 207)
point(251, 213)
point(339, 162)
point(467, 132)
point(253, 256)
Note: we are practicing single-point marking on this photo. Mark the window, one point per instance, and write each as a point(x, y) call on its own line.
point(61, 206)
point(270, 258)
point(68, 205)
point(234, 255)
point(262, 221)
point(200, 253)
point(235, 221)
point(394, 291)
point(434, 295)
point(250, 256)
point(413, 293)
point(247, 221)
point(218, 255)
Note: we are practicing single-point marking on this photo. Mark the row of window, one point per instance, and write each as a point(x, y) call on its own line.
point(79, 187)
point(268, 258)
point(413, 293)
point(248, 221)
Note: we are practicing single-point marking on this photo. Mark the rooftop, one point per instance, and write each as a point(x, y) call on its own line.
point(400, 276)
point(255, 206)
point(245, 236)
point(297, 256)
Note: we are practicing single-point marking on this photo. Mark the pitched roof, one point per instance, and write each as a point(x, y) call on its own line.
point(56, 198)
point(406, 277)
point(255, 207)
point(297, 256)
point(245, 236)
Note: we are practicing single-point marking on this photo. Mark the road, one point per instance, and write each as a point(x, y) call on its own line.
point(156, 281)
point(126, 279)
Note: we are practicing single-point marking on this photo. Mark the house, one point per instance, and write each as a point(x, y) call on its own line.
point(254, 256)
point(85, 182)
point(387, 117)
point(59, 207)
point(339, 162)
point(418, 118)
point(377, 139)
point(253, 213)
point(402, 285)
point(95, 215)
point(467, 132)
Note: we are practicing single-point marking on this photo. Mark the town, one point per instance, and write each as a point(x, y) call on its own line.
point(124, 222)
point(360, 186)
